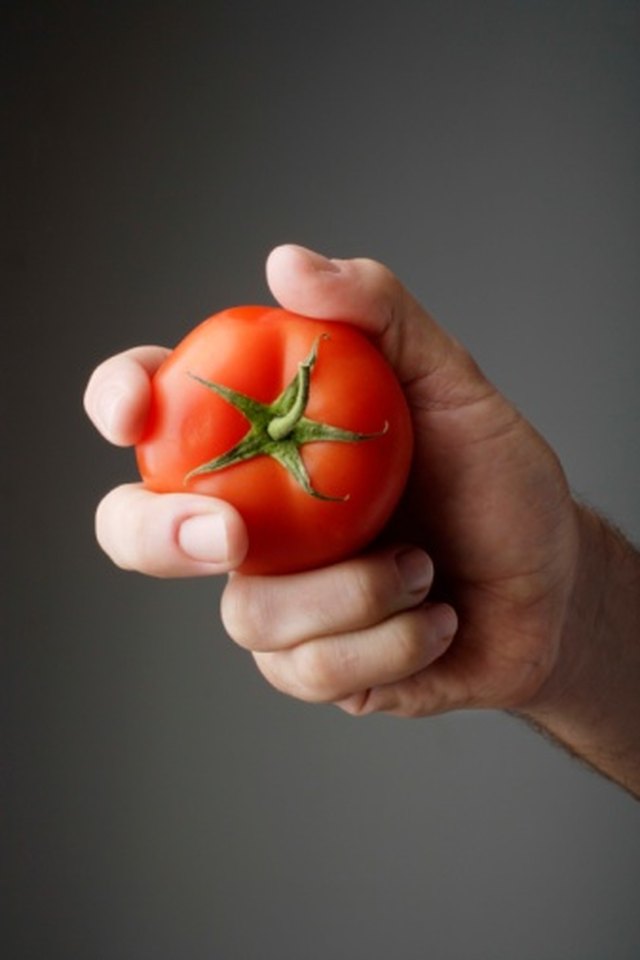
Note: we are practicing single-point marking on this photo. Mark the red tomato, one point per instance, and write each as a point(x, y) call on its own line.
point(300, 424)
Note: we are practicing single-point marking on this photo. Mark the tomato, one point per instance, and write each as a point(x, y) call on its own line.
point(300, 424)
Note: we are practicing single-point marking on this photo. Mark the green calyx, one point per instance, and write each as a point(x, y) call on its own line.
point(280, 429)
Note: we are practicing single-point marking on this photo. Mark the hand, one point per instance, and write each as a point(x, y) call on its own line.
point(542, 596)
point(487, 499)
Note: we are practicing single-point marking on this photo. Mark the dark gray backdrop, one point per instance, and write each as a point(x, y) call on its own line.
point(162, 802)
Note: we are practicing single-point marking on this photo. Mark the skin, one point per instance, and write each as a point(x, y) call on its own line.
point(535, 604)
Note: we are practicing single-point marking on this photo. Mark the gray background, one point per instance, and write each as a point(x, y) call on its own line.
point(161, 800)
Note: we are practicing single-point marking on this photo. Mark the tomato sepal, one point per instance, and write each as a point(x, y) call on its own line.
point(280, 429)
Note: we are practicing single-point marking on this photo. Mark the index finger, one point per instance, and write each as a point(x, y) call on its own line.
point(118, 392)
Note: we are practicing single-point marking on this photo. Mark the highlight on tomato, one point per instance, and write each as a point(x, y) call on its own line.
point(300, 424)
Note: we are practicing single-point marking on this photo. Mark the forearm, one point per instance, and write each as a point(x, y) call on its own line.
point(591, 703)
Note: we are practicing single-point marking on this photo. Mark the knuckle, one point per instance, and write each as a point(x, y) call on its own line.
point(135, 531)
point(146, 535)
point(322, 670)
point(374, 591)
point(246, 611)
point(380, 275)
point(391, 291)
point(313, 674)
point(408, 640)
point(284, 674)
point(267, 664)
point(235, 613)
point(362, 591)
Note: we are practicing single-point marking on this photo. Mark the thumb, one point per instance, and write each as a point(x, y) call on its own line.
point(428, 361)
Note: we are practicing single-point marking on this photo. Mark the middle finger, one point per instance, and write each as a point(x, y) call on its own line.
point(274, 613)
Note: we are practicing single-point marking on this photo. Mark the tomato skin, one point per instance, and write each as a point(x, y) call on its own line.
point(257, 351)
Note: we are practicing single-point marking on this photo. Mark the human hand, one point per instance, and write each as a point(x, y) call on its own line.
point(537, 597)
point(487, 499)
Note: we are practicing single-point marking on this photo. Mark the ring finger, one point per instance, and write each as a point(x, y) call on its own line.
point(330, 669)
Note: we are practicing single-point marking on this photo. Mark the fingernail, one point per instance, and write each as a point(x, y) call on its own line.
point(320, 262)
point(444, 621)
point(204, 537)
point(415, 569)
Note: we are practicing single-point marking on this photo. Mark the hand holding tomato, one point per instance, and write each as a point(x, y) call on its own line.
point(534, 579)
point(486, 498)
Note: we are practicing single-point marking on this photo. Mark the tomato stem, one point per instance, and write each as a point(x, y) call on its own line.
point(280, 429)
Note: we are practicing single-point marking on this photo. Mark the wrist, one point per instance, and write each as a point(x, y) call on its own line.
point(591, 699)
point(576, 667)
